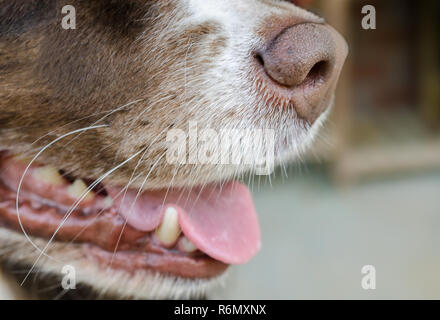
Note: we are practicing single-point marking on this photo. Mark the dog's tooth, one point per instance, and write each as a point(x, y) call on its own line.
point(108, 202)
point(49, 175)
point(78, 188)
point(186, 245)
point(169, 231)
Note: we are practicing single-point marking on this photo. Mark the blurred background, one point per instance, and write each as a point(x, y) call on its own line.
point(369, 192)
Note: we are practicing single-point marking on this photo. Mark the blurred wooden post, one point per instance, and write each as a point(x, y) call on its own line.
point(429, 65)
point(337, 13)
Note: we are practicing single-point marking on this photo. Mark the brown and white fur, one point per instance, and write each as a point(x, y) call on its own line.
point(139, 67)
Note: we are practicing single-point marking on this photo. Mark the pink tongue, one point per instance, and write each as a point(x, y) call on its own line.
point(221, 223)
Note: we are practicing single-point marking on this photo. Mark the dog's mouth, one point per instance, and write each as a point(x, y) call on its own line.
point(190, 233)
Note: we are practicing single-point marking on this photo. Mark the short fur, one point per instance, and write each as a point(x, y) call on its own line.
point(139, 67)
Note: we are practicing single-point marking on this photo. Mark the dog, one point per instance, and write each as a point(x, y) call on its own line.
point(86, 190)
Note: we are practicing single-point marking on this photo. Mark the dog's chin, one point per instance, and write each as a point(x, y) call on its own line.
point(44, 276)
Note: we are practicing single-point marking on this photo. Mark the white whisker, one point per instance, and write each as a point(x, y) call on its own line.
point(26, 170)
point(75, 205)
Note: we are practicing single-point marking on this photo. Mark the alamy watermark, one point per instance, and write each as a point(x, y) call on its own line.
point(250, 147)
point(68, 281)
point(368, 281)
point(369, 20)
point(69, 20)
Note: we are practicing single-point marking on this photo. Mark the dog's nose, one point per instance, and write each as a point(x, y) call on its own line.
point(305, 61)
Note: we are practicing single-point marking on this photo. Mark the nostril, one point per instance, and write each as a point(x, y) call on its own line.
point(317, 73)
point(259, 59)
